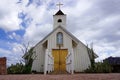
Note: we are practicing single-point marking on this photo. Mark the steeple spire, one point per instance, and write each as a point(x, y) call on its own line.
point(59, 4)
point(59, 18)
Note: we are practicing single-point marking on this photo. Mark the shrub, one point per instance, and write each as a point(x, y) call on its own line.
point(100, 67)
point(15, 69)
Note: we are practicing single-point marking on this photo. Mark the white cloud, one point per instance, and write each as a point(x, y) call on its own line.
point(41, 24)
point(36, 33)
point(79, 8)
point(9, 19)
point(14, 36)
point(17, 48)
point(3, 51)
point(8, 54)
point(105, 50)
point(14, 54)
point(109, 20)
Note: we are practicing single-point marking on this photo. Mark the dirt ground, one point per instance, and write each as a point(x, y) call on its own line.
point(108, 76)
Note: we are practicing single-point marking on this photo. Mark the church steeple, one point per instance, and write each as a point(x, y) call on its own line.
point(59, 13)
point(59, 18)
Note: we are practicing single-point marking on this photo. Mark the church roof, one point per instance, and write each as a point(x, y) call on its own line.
point(71, 35)
point(59, 13)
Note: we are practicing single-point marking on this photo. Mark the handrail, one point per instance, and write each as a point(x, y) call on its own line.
point(70, 62)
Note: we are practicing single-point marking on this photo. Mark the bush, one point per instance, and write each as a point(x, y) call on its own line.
point(15, 69)
point(27, 70)
point(100, 67)
point(19, 68)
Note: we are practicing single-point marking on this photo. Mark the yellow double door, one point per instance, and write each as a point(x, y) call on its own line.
point(59, 59)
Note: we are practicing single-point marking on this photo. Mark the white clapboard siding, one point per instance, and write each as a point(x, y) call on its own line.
point(38, 63)
point(67, 41)
point(81, 58)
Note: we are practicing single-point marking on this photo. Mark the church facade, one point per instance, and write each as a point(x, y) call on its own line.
point(66, 51)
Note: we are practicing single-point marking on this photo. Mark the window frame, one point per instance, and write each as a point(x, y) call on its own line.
point(59, 43)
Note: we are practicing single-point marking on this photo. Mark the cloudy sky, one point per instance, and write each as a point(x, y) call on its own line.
point(23, 21)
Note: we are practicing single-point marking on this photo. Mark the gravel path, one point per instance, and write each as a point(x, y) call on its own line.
point(109, 76)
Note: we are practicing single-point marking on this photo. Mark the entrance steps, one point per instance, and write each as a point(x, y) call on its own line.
point(58, 72)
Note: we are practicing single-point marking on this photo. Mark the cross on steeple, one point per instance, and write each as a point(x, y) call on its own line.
point(59, 5)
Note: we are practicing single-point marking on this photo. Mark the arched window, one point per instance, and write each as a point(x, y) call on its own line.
point(59, 38)
point(59, 20)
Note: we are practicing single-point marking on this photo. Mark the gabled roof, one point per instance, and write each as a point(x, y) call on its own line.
point(59, 13)
point(67, 32)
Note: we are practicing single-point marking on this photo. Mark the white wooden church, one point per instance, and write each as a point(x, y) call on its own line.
point(60, 51)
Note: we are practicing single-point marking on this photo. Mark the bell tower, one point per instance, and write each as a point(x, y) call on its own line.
point(59, 18)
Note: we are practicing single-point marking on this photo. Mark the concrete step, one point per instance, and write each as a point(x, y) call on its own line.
point(58, 72)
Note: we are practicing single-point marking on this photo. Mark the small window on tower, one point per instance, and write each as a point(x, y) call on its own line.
point(59, 20)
